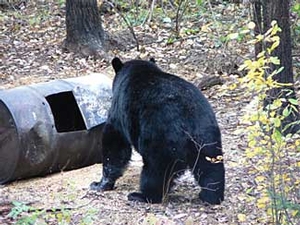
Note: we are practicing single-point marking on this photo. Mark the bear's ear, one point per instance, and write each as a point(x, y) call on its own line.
point(152, 60)
point(117, 64)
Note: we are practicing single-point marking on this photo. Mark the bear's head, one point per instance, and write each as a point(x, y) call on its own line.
point(117, 64)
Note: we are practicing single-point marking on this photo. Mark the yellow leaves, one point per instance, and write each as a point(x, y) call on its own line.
point(269, 211)
point(275, 28)
point(287, 189)
point(271, 83)
point(259, 38)
point(271, 156)
point(259, 179)
point(206, 28)
point(245, 65)
point(262, 202)
point(284, 177)
point(275, 43)
point(297, 142)
point(274, 60)
point(260, 187)
point(253, 149)
point(241, 217)
point(251, 117)
point(256, 65)
point(256, 78)
point(63, 217)
point(276, 122)
point(252, 143)
point(294, 213)
point(272, 31)
point(232, 86)
point(263, 118)
point(261, 55)
point(277, 103)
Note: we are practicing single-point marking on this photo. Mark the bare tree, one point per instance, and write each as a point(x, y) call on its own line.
point(85, 34)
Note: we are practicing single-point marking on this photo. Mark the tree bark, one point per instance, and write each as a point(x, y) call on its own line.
point(265, 11)
point(84, 28)
point(257, 17)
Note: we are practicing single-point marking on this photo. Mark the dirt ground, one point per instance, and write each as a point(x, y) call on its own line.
point(31, 52)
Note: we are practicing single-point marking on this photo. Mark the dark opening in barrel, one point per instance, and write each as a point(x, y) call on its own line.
point(66, 113)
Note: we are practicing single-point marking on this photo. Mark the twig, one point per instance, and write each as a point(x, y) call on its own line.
point(151, 11)
point(179, 16)
point(59, 209)
point(213, 16)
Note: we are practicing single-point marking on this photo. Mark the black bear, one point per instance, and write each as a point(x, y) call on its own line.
point(172, 126)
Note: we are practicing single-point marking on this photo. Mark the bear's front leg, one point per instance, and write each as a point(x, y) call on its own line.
point(116, 155)
point(104, 185)
point(107, 181)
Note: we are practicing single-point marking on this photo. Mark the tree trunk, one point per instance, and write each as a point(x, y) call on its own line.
point(265, 11)
point(85, 34)
point(257, 17)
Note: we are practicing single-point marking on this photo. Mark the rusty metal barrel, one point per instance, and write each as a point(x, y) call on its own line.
point(53, 126)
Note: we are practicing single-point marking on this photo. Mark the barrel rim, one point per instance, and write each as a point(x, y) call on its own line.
point(6, 178)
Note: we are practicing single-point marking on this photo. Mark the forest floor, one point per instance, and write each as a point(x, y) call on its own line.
point(31, 52)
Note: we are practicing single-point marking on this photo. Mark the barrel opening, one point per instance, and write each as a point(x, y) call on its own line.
point(66, 113)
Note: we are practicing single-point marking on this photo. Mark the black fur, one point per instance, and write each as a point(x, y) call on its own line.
point(170, 123)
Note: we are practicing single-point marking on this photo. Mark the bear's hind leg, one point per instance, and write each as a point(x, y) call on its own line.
point(156, 181)
point(209, 172)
